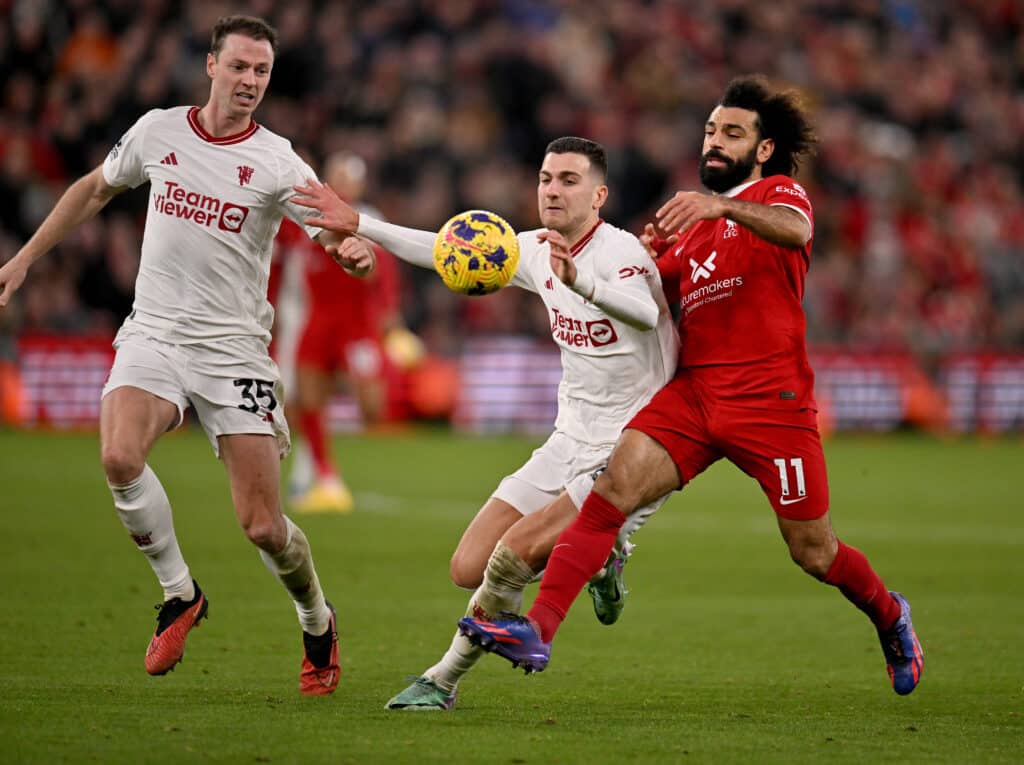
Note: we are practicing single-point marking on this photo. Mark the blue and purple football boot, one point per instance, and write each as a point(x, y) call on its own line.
point(512, 637)
point(904, 657)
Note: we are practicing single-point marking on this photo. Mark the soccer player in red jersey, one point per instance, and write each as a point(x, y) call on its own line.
point(744, 389)
point(342, 327)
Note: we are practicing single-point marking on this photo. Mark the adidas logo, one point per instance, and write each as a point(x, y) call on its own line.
point(170, 159)
point(549, 284)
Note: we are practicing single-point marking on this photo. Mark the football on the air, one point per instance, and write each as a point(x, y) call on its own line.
point(476, 253)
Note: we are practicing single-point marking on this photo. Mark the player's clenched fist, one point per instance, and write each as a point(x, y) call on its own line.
point(354, 255)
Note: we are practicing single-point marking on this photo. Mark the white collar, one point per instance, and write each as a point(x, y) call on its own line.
point(741, 188)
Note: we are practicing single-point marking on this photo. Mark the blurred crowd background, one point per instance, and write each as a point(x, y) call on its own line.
point(917, 185)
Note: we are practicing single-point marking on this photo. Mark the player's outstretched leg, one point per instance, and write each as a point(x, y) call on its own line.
point(904, 658)
point(320, 666)
point(607, 590)
point(424, 695)
point(505, 578)
point(176, 618)
point(512, 637)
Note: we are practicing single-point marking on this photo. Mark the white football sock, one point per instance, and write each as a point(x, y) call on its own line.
point(294, 567)
point(505, 579)
point(145, 511)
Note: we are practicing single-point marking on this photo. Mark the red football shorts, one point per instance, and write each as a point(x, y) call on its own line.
point(778, 445)
point(340, 345)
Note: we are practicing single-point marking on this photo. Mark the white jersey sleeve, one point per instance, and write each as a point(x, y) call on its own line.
point(525, 277)
point(612, 286)
point(412, 245)
point(125, 164)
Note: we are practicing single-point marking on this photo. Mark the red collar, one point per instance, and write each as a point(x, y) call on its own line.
point(226, 140)
point(586, 238)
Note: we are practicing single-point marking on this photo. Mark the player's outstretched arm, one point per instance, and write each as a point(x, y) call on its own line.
point(331, 211)
point(83, 199)
point(773, 223)
point(776, 224)
point(410, 244)
point(629, 300)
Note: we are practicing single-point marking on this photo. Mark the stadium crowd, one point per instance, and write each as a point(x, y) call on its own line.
point(918, 186)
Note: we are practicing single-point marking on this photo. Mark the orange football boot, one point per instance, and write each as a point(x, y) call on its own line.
point(173, 623)
point(320, 673)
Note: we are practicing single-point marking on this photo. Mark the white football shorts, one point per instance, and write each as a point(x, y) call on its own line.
point(564, 464)
point(234, 388)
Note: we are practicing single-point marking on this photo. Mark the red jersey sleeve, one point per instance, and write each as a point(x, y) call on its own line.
point(783, 191)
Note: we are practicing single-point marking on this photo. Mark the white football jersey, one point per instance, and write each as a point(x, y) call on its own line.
point(609, 368)
point(215, 205)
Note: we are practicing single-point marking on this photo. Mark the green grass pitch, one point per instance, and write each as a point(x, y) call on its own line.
point(726, 652)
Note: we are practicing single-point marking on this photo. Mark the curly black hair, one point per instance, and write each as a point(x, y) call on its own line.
point(781, 116)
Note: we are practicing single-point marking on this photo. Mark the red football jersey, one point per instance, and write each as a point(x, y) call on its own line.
point(362, 304)
point(742, 326)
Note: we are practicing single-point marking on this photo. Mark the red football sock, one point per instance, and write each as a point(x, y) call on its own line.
point(312, 424)
point(578, 554)
point(855, 578)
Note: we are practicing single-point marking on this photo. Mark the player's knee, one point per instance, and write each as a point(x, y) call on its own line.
point(815, 559)
point(533, 548)
point(616, 487)
point(466, 572)
point(265, 534)
point(121, 465)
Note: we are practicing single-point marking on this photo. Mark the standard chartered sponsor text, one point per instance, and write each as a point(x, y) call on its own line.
point(711, 288)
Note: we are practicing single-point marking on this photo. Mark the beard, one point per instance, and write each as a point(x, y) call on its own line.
point(735, 172)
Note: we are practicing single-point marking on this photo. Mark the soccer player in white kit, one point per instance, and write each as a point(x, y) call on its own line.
point(199, 330)
point(611, 321)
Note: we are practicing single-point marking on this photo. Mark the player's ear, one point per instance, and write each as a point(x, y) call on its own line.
point(765, 149)
point(600, 196)
point(211, 62)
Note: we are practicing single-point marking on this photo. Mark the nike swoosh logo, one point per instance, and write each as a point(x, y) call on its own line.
point(784, 501)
